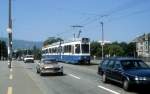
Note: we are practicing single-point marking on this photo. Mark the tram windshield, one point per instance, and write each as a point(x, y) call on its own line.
point(85, 48)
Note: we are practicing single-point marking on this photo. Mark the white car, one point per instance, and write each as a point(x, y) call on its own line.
point(46, 66)
point(29, 58)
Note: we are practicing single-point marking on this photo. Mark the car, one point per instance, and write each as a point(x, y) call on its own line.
point(129, 72)
point(28, 58)
point(48, 66)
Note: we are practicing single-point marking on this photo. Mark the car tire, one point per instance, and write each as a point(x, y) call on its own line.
point(37, 71)
point(61, 73)
point(126, 85)
point(41, 74)
point(104, 78)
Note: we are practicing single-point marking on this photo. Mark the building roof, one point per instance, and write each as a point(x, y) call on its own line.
point(141, 38)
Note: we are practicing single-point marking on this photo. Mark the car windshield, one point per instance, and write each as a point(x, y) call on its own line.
point(130, 64)
point(85, 48)
point(29, 56)
point(51, 61)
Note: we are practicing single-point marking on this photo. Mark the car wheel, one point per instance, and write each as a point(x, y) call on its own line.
point(104, 78)
point(37, 71)
point(61, 73)
point(126, 85)
point(41, 74)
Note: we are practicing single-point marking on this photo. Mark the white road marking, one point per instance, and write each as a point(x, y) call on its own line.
point(11, 70)
point(74, 76)
point(114, 92)
point(9, 91)
point(10, 76)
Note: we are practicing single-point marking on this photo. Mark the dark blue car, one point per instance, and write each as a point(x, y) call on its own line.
point(126, 71)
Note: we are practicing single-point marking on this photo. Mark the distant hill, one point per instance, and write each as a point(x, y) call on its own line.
point(23, 44)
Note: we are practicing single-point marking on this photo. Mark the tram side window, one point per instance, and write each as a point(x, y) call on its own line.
point(43, 51)
point(77, 48)
point(72, 49)
point(53, 50)
point(46, 51)
point(50, 50)
point(67, 49)
point(59, 49)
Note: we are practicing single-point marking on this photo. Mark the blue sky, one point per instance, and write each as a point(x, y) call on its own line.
point(39, 19)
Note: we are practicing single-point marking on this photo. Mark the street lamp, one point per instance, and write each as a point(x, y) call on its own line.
point(102, 44)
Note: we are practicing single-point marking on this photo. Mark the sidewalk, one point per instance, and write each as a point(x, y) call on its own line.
point(16, 80)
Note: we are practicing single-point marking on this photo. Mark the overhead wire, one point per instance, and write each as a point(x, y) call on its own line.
point(130, 14)
point(116, 10)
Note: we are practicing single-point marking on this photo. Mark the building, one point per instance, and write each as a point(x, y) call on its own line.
point(143, 45)
point(104, 42)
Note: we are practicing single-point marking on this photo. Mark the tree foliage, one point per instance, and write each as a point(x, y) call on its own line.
point(3, 50)
point(36, 52)
point(51, 40)
point(113, 49)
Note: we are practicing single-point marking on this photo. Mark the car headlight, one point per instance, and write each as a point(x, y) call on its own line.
point(140, 78)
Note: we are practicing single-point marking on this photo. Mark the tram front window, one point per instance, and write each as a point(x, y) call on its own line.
point(85, 48)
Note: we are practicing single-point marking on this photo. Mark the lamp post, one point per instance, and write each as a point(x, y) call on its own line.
point(9, 30)
point(102, 44)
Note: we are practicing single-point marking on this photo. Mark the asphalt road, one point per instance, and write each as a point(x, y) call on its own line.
point(77, 79)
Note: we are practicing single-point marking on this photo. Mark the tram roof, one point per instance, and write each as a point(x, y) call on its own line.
point(63, 42)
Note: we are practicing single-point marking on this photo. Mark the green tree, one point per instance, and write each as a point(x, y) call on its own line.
point(115, 50)
point(124, 46)
point(3, 50)
point(51, 40)
point(131, 49)
point(36, 52)
point(95, 49)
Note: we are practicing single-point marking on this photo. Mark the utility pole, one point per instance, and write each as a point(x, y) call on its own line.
point(102, 44)
point(9, 30)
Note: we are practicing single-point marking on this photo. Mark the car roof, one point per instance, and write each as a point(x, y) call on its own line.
point(122, 58)
point(48, 59)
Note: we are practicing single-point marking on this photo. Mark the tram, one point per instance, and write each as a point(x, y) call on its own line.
point(76, 51)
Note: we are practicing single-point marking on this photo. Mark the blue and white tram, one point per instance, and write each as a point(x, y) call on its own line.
point(75, 52)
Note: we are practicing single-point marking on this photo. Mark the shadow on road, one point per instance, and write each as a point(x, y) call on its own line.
point(137, 90)
point(82, 64)
point(53, 74)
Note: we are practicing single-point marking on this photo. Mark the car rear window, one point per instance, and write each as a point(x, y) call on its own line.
point(129, 64)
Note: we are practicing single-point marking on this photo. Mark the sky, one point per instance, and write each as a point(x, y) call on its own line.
point(36, 20)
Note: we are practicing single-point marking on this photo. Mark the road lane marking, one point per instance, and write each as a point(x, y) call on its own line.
point(9, 91)
point(74, 76)
point(11, 70)
point(10, 76)
point(114, 92)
